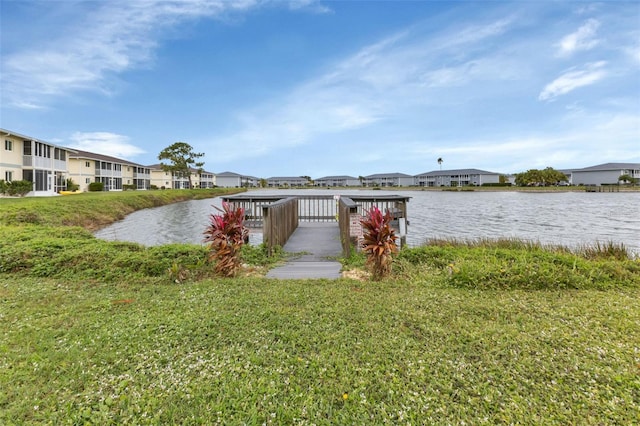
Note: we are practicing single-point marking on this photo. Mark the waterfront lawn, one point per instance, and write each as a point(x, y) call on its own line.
point(115, 333)
point(254, 351)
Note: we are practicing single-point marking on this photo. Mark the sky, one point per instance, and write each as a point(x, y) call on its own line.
point(321, 88)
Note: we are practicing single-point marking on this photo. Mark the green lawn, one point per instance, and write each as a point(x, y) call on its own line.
point(255, 351)
point(96, 332)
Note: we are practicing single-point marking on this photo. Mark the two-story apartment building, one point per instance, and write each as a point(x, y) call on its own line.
point(167, 180)
point(337, 181)
point(458, 177)
point(87, 167)
point(388, 180)
point(236, 180)
point(286, 181)
point(604, 174)
point(27, 158)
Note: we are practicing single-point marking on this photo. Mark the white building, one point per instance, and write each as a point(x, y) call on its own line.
point(286, 181)
point(27, 158)
point(114, 173)
point(459, 177)
point(235, 180)
point(388, 180)
point(604, 174)
point(338, 181)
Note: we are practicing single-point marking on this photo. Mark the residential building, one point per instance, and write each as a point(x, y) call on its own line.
point(114, 173)
point(604, 174)
point(338, 181)
point(284, 182)
point(457, 177)
point(167, 180)
point(34, 160)
point(235, 180)
point(388, 180)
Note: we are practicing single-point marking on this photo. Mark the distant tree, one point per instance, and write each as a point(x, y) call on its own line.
point(308, 178)
point(440, 162)
point(361, 179)
point(503, 179)
point(263, 183)
point(181, 159)
point(535, 177)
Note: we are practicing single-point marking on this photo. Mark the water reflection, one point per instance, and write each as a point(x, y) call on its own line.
point(568, 218)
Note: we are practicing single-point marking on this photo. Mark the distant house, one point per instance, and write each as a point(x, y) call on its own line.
point(87, 167)
point(388, 180)
point(34, 160)
point(287, 181)
point(167, 180)
point(338, 181)
point(458, 177)
point(235, 180)
point(604, 174)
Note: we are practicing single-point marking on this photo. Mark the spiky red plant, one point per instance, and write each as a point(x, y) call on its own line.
point(379, 242)
point(226, 234)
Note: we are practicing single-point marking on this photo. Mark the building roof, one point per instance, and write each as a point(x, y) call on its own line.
point(100, 157)
point(192, 169)
point(31, 138)
point(609, 166)
point(336, 178)
point(456, 172)
point(287, 178)
point(233, 174)
point(388, 175)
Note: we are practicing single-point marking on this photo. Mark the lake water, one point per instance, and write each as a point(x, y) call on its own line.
point(571, 219)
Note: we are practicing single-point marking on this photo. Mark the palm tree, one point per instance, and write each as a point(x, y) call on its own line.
point(440, 162)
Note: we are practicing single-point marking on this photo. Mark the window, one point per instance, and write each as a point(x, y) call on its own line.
point(26, 148)
point(8, 145)
point(87, 180)
point(8, 176)
point(87, 164)
point(60, 154)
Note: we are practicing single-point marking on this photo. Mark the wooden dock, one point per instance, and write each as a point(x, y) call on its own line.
point(316, 246)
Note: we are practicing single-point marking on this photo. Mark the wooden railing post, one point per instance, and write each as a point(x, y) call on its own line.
point(349, 223)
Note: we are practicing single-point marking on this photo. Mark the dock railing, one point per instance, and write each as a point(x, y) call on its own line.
point(349, 223)
point(280, 219)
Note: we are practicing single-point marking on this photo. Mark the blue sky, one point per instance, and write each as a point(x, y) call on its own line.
point(278, 88)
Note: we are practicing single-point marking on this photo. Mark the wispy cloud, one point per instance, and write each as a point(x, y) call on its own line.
point(105, 143)
point(379, 82)
point(582, 39)
point(112, 37)
point(573, 79)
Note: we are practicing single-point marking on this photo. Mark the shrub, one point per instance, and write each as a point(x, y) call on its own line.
point(379, 242)
point(3, 186)
point(71, 186)
point(18, 187)
point(129, 187)
point(96, 186)
point(226, 235)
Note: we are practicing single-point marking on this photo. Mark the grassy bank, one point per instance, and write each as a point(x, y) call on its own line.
point(92, 210)
point(492, 332)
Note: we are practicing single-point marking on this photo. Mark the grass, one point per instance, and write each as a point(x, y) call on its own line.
point(321, 352)
point(479, 332)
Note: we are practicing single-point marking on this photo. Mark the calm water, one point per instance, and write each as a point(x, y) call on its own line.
point(566, 218)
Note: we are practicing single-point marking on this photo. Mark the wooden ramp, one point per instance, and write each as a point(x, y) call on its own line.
point(319, 245)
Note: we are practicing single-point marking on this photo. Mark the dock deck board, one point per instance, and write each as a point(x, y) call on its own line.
point(318, 245)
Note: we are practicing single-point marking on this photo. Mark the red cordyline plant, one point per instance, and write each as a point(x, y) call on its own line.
point(379, 242)
point(226, 235)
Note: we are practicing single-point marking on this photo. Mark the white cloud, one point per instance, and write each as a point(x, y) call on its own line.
point(573, 79)
point(582, 39)
point(112, 37)
point(381, 81)
point(105, 143)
